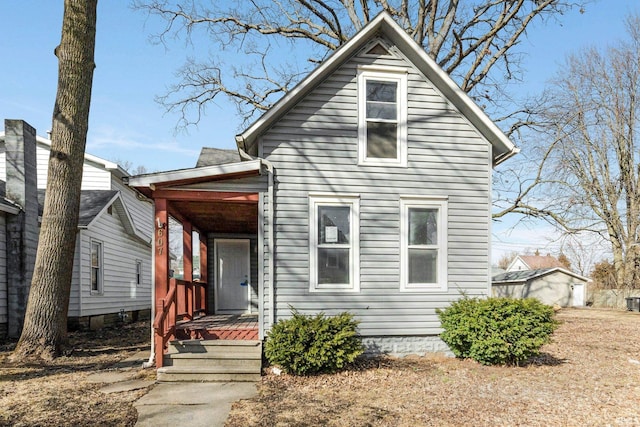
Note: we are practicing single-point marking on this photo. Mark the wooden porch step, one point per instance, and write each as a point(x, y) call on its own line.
point(249, 334)
point(205, 374)
point(232, 361)
point(216, 346)
point(211, 360)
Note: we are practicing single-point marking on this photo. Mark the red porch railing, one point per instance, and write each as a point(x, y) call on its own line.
point(184, 301)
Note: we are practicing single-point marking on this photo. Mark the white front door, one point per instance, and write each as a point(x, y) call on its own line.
point(232, 289)
point(578, 294)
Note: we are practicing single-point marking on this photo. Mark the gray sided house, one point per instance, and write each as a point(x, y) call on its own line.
point(367, 188)
point(552, 286)
point(112, 260)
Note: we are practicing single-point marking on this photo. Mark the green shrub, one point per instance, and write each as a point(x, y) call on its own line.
point(497, 331)
point(305, 345)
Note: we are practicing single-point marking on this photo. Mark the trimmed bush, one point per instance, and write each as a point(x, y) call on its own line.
point(305, 345)
point(497, 331)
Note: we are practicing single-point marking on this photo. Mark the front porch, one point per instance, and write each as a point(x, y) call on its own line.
point(220, 327)
point(218, 302)
point(214, 297)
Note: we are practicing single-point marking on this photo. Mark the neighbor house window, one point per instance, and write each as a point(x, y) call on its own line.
point(334, 243)
point(96, 267)
point(138, 273)
point(423, 235)
point(382, 111)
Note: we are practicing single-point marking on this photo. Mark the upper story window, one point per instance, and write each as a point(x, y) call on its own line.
point(423, 238)
point(382, 116)
point(334, 243)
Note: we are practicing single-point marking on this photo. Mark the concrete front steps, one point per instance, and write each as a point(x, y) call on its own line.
point(211, 361)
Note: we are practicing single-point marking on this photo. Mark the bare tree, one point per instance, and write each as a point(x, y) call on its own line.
point(592, 112)
point(473, 41)
point(505, 259)
point(45, 327)
point(130, 167)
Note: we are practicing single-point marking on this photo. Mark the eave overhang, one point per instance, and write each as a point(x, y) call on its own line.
point(149, 183)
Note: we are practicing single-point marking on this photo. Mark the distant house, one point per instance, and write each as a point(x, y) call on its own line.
point(552, 286)
point(365, 189)
point(534, 262)
point(112, 265)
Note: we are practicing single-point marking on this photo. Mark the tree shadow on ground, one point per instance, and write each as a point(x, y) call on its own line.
point(544, 359)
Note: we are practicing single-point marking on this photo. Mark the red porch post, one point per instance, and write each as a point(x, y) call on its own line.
point(161, 263)
point(203, 270)
point(187, 267)
point(187, 251)
point(203, 259)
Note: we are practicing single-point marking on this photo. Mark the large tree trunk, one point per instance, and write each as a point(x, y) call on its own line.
point(44, 333)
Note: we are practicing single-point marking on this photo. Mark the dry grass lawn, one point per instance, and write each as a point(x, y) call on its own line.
point(589, 376)
point(58, 394)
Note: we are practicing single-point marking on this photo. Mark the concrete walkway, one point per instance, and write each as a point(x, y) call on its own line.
point(191, 404)
point(170, 404)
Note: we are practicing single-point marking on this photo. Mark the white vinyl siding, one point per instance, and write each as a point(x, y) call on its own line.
point(121, 252)
point(423, 245)
point(315, 150)
point(382, 116)
point(140, 209)
point(334, 243)
point(94, 177)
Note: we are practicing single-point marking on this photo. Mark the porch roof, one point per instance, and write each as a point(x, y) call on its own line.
point(207, 211)
point(148, 183)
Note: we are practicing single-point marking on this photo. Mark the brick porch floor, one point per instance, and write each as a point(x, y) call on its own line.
point(221, 327)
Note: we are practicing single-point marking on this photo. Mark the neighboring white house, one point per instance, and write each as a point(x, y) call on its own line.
point(112, 264)
point(533, 262)
point(366, 188)
point(552, 286)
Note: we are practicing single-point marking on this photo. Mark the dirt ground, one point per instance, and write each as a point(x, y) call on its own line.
point(58, 394)
point(588, 376)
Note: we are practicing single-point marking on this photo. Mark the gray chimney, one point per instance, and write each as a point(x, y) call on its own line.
point(22, 229)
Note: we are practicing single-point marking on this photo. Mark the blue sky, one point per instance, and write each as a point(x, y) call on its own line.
point(126, 123)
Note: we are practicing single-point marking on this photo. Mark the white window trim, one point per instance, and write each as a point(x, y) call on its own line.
point(100, 290)
point(354, 263)
point(440, 204)
point(382, 74)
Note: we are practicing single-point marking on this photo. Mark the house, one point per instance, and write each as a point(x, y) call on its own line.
point(366, 188)
point(112, 264)
point(552, 286)
point(534, 262)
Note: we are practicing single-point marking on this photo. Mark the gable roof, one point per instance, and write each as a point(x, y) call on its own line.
point(217, 156)
point(522, 276)
point(534, 262)
point(503, 148)
point(93, 203)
